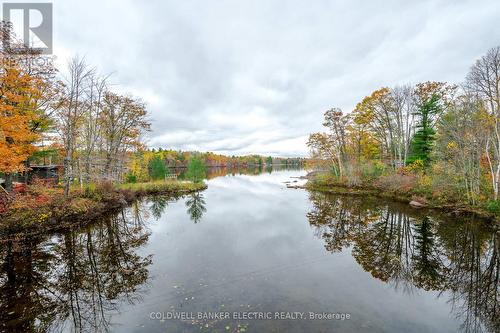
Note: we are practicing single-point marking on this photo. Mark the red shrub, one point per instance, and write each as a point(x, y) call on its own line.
point(397, 183)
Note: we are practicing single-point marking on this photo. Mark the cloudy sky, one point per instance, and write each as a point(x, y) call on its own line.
point(255, 76)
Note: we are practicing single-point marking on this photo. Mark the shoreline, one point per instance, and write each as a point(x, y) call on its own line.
point(80, 210)
point(456, 209)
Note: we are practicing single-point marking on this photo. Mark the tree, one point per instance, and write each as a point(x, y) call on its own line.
point(91, 126)
point(70, 114)
point(17, 114)
point(432, 100)
point(386, 117)
point(461, 141)
point(25, 104)
point(379, 108)
point(156, 168)
point(332, 145)
point(138, 165)
point(196, 169)
point(122, 121)
point(363, 143)
point(404, 114)
point(484, 80)
point(423, 140)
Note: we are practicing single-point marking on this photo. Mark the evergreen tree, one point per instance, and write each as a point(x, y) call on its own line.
point(196, 169)
point(423, 140)
point(156, 168)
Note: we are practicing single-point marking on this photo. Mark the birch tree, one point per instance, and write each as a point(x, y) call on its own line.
point(91, 125)
point(404, 115)
point(71, 113)
point(484, 80)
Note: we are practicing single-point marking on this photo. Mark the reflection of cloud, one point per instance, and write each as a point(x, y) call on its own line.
point(254, 72)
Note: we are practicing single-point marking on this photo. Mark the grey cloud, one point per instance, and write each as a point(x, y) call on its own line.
point(256, 76)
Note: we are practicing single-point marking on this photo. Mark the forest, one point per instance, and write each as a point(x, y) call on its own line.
point(435, 142)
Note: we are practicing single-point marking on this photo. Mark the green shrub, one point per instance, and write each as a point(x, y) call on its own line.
point(493, 206)
point(131, 178)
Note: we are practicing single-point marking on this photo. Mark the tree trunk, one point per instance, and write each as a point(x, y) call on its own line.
point(8, 182)
point(67, 176)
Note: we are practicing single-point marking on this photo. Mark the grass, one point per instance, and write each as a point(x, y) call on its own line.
point(157, 187)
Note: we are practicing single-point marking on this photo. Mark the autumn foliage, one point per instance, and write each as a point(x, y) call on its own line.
point(431, 139)
point(18, 90)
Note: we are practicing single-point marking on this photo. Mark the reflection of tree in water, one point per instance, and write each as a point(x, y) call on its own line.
point(25, 278)
point(158, 205)
point(397, 246)
point(77, 279)
point(427, 258)
point(250, 170)
point(338, 221)
point(473, 251)
point(397, 249)
point(384, 248)
point(196, 206)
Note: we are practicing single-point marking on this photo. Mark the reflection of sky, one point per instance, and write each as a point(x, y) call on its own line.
point(255, 250)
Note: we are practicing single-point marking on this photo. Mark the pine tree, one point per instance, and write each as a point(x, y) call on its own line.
point(423, 140)
point(196, 170)
point(156, 168)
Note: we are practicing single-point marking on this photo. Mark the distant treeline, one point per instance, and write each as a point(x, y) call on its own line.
point(143, 161)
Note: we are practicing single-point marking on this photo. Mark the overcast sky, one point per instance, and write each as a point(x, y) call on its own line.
point(240, 77)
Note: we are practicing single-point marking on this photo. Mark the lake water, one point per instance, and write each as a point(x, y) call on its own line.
point(250, 255)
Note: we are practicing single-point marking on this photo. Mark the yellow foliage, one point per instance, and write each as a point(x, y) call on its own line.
point(452, 145)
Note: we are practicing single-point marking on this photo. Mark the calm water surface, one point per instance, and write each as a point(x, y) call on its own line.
point(247, 245)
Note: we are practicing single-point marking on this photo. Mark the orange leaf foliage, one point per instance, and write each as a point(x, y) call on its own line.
point(17, 112)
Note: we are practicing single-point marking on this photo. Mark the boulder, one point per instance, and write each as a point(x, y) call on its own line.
point(416, 204)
